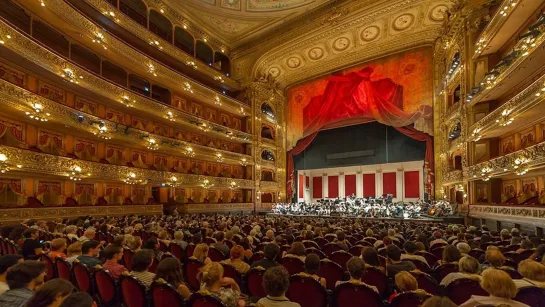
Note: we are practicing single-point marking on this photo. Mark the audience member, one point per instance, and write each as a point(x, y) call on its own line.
point(23, 280)
point(370, 257)
point(405, 282)
point(494, 259)
point(394, 264)
point(153, 244)
point(533, 274)
point(276, 282)
point(341, 240)
point(270, 252)
point(32, 247)
point(141, 261)
point(220, 243)
point(57, 249)
point(88, 235)
point(90, 250)
point(298, 251)
point(170, 270)
point(451, 254)
point(201, 253)
point(356, 269)
point(179, 239)
point(438, 301)
point(78, 299)
point(468, 267)
point(524, 246)
point(499, 286)
point(52, 293)
point(114, 254)
point(438, 239)
point(312, 266)
point(74, 251)
point(134, 243)
point(236, 260)
point(71, 232)
point(6, 262)
point(223, 288)
point(410, 250)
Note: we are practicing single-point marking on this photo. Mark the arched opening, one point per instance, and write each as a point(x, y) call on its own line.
point(267, 175)
point(51, 38)
point(136, 10)
point(204, 52)
point(85, 58)
point(184, 40)
point(458, 162)
point(267, 155)
point(160, 25)
point(222, 62)
point(455, 132)
point(455, 96)
point(267, 132)
point(15, 15)
point(268, 110)
point(161, 94)
point(454, 63)
point(139, 85)
point(114, 73)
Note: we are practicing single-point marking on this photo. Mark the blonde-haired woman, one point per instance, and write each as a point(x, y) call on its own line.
point(533, 274)
point(406, 282)
point(201, 253)
point(499, 286)
point(223, 288)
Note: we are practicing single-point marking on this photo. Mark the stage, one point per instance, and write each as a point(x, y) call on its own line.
point(446, 220)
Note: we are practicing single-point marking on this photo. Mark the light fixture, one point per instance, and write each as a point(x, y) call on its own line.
point(189, 152)
point(217, 100)
point(2, 41)
point(173, 182)
point(102, 133)
point(38, 113)
point(4, 166)
point(99, 39)
point(152, 144)
point(230, 134)
point(233, 185)
point(69, 75)
point(522, 172)
point(203, 126)
point(219, 78)
point(156, 44)
point(219, 157)
point(243, 162)
point(42, 3)
point(241, 111)
point(77, 174)
point(126, 100)
point(206, 184)
point(170, 116)
point(187, 87)
point(132, 180)
point(192, 64)
point(151, 69)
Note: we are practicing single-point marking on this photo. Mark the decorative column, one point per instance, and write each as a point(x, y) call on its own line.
point(359, 184)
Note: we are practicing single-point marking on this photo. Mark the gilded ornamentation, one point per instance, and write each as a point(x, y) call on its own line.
point(370, 33)
point(403, 22)
point(529, 214)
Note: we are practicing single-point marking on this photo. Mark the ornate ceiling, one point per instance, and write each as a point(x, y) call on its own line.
point(238, 21)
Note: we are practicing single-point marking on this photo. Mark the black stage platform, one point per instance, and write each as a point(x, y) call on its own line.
point(447, 220)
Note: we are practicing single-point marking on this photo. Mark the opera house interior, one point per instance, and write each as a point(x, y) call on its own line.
point(272, 153)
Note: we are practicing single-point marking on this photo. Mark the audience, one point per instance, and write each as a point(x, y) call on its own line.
point(356, 269)
point(438, 301)
point(113, 254)
point(57, 248)
point(201, 253)
point(270, 252)
point(78, 299)
point(23, 280)
point(394, 264)
point(88, 235)
point(236, 260)
point(170, 270)
point(451, 254)
point(6, 262)
point(134, 243)
point(533, 274)
point(179, 239)
point(74, 251)
point(298, 251)
point(276, 282)
point(223, 288)
point(499, 286)
point(494, 259)
point(141, 261)
point(90, 250)
point(410, 250)
point(51, 294)
point(312, 266)
point(405, 282)
point(468, 267)
point(370, 257)
point(32, 247)
point(220, 244)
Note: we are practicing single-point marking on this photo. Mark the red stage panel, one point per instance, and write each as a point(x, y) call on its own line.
point(301, 183)
point(412, 184)
point(333, 186)
point(389, 183)
point(307, 182)
point(317, 187)
point(369, 185)
point(349, 185)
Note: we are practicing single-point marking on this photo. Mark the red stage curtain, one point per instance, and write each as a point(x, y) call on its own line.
point(301, 145)
point(349, 185)
point(332, 186)
point(307, 182)
point(369, 185)
point(389, 183)
point(412, 184)
point(317, 187)
point(301, 187)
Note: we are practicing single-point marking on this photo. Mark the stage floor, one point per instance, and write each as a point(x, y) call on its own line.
point(450, 220)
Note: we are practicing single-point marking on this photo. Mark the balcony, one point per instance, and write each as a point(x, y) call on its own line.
point(453, 177)
point(515, 214)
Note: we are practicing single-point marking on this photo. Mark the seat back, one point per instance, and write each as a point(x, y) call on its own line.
point(107, 288)
point(531, 296)
point(375, 277)
point(257, 256)
point(476, 253)
point(430, 258)
point(312, 250)
point(346, 294)
point(523, 255)
point(63, 269)
point(83, 278)
point(330, 248)
point(127, 258)
point(164, 294)
point(321, 242)
point(331, 271)
point(309, 244)
point(163, 247)
point(50, 272)
point(356, 250)
point(445, 269)
point(419, 265)
point(341, 258)
point(133, 291)
point(189, 250)
point(191, 270)
point(427, 282)
point(307, 292)
point(201, 300)
point(437, 251)
point(230, 271)
point(514, 274)
point(462, 289)
point(215, 254)
point(409, 299)
point(176, 250)
point(293, 265)
point(254, 282)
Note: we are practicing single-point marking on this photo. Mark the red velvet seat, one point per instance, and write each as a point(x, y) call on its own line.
point(127, 258)
point(256, 257)
point(331, 271)
point(192, 268)
point(154, 263)
point(351, 295)
point(460, 290)
point(437, 252)
point(307, 292)
point(189, 250)
point(50, 271)
point(107, 288)
point(409, 299)
point(163, 247)
point(293, 265)
point(176, 251)
point(133, 291)
point(375, 277)
point(311, 244)
point(523, 256)
point(254, 282)
point(164, 295)
point(341, 258)
point(428, 283)
point(419, 265)
point(430, 258)
point(444, 269)
point(330, 248)
point(63, 269)
point(318, 252)
point(215, 254)
point(321, 242)
point(199, 300)
point(476, 253)
point(230, 271)
point(514, 274)
point(531, 296)
point(83, 277)
point(356, 250)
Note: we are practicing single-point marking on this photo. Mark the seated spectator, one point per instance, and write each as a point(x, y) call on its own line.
point(170, 270)
point(113, 255)
point(88, 235)
point(298, 251)
point(450, 255)
point(23, 280)
point(164, 237)
point(247, 245)
point(468, 267)
point(370, 257)
point(153, 245)
point(141, 261)
point(394, 264)
point(135, 243)
point(270, 252)
point(464, 248)
point(524, 246)
point(539, 253)
point(78, 299)
point(6, 262)
point(74, 251)
point(90, 250)
point(405, 282)
point(51, 294)
point(533, 274)
point(341, 240)
point(356, 269)
point(387, 241)
point(223, 288)
point(276, 282)
point(59, 230)
point(312, 266)
point(437, 239)
point(57, 248)
point(461, 237)
point(501, 289)
point(121, 240)
point(438, 301)
point(495, 259)
point(32, 247)
point(410, 250)
point(420, 247)
point(179, 239)
point(220, 243)
point(71, 232)
point(201, 253)
point(236, 259)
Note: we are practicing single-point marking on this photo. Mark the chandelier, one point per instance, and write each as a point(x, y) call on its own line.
point(243, 162)
point(38, 113)
point(206, 184)
point(77, 174)
point(522, 172)
point(102, 133)
point(152, 144)
point(173, 182)
point(126, 100)
point(132, 180)
point(189, 152)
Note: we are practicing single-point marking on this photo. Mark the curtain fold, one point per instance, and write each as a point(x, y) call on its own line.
point(299, 148)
